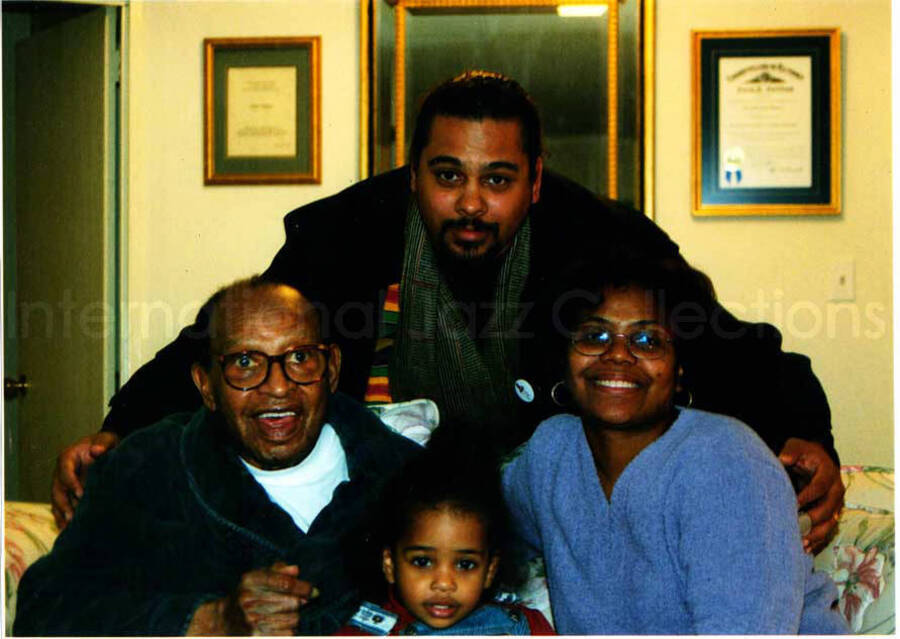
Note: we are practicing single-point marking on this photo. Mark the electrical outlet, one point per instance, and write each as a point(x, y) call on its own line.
point(843, 287)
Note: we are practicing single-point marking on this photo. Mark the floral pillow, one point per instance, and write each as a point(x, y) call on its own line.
point(30, 533)
point(860, 558)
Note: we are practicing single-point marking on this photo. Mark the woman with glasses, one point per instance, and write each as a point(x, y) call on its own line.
point(654, 518)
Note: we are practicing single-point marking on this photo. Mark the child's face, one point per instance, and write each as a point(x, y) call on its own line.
point(441, 566)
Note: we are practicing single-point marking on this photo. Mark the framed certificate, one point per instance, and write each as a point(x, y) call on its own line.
point(262, 118)
point(766, 122)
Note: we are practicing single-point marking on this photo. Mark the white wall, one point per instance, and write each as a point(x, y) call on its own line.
point(186, 239)
point(778, 269)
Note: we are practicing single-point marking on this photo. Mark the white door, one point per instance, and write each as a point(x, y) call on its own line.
point(64, 295)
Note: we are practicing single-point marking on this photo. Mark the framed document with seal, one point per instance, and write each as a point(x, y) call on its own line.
point(262, 119)
point(766, 122)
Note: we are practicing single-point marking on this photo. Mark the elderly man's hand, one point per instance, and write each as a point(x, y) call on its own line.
point(823, 497)
point(267, 601)
point(71, 470)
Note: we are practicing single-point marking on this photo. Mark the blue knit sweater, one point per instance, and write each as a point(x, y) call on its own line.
point(700, 534)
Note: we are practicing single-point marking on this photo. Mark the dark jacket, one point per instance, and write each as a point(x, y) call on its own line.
point(171, 519)
point(345, 250)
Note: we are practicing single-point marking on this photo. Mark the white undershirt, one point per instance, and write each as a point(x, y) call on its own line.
point(305, 489)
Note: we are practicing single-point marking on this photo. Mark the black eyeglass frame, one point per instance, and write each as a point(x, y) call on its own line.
point(629, 345)
point(322, 348)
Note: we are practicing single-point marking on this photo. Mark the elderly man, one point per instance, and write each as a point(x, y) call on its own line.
point(234, 519)
point(431, 276)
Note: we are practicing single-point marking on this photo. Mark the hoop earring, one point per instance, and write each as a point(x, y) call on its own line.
point(554, 390)
point(690, 399)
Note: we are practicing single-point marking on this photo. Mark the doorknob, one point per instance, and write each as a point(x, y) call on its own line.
point(13, 388)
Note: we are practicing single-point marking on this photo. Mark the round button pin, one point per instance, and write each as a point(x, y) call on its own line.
point(524, 391)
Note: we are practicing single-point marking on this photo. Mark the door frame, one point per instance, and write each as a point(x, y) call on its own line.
point(115, 242)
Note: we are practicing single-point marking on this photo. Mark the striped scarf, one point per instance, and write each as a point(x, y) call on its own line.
point(378, 390)
point(427, 351)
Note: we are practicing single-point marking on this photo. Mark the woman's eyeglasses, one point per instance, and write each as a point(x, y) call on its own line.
point(642, 343)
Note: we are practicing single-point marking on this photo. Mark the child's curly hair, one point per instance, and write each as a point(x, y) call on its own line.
point(451, 474)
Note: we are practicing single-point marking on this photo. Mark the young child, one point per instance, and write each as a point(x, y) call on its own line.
point(442, 526)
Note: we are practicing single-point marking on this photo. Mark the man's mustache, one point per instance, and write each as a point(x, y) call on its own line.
point(471, 224)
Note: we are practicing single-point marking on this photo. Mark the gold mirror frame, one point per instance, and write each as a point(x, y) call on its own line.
point(646, 122)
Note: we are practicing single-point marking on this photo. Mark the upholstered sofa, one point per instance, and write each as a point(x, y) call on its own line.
point(860, 558)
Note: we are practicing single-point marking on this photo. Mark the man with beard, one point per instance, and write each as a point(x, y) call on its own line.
point(238, 518)
point(431, 279)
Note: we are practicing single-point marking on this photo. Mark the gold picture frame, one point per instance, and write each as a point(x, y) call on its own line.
point(766, 122)
point(262, 111)
point(645, 104)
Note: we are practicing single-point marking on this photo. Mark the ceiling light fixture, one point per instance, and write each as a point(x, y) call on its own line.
point(581, 10)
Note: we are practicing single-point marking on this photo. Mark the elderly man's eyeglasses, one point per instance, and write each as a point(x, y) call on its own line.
point(247, 370)
point(642, 343)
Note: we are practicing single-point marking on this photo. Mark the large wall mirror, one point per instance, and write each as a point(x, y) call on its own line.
point(588, 66)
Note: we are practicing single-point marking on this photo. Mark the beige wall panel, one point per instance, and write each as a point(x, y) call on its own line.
point(779, 269)
point(185, 239)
